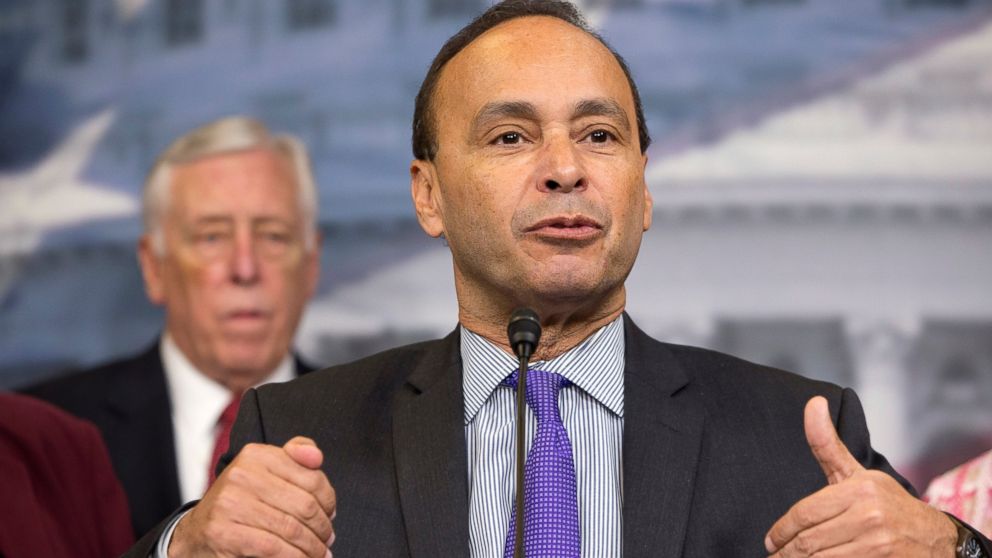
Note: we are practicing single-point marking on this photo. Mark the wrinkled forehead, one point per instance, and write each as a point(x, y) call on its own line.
point(258, 180)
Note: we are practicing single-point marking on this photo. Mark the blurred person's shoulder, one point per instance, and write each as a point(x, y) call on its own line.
point(964, 492)
point(55, 466)
point(79, 391)
point(28, 418)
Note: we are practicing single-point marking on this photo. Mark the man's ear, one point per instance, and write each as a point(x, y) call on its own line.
point(151, 270)
point(426, 197)
point(648, 200)
point(313, 264)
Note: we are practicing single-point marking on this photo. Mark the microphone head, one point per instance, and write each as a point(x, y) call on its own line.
point(524, 332)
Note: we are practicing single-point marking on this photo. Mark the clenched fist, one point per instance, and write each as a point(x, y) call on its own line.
point(270, 501)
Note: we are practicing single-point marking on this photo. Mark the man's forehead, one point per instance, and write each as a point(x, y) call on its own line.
point(531, 29)
point(514, 53)
point(239, 180)
point(236, 159)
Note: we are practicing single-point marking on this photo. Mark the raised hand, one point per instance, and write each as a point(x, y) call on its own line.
point(860, 513)
point(270, 501)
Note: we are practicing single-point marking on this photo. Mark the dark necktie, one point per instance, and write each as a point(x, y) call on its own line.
point(551, 510)
point(226, 422)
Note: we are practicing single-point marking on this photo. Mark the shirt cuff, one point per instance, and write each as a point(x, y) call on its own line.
point(162, 548)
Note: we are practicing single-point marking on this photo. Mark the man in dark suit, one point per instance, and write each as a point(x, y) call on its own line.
point(231, 251)
point(530, 145)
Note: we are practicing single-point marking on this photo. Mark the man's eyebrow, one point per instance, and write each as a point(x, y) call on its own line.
point(602, 107)
point(504, 109)
point(267, 219)
point(212, 219)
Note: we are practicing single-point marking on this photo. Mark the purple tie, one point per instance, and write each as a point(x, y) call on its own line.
point(551, 509)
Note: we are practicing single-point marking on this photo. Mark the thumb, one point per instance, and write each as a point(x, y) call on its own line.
point(837, 463)
point(304, 451)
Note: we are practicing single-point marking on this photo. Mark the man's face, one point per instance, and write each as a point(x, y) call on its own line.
point(235, 274)
point(538, 184)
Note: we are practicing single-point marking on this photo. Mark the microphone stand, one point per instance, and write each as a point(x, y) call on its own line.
point(518, 548)
point(524, 333)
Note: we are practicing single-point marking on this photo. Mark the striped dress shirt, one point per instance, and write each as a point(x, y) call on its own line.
point(592, 411)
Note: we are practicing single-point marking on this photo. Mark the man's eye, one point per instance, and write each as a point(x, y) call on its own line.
point(209, 237)
point(600, 136)
point(279, 237)
point(509, 138)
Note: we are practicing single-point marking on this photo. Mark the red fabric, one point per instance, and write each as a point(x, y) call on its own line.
point(226, 422)
point(60, 496)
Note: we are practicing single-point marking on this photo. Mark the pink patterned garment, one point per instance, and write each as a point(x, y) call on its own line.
point(966, 493)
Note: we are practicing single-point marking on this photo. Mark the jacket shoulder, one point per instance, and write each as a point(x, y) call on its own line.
point(713, 369)
point(714, 374)
point(376, 376)
point(79, 390)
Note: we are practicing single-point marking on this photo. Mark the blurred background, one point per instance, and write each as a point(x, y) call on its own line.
point(822, 177)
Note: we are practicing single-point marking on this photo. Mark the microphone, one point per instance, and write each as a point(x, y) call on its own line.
point(524, 332)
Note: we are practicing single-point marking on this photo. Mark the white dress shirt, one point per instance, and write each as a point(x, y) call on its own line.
point(592, 412)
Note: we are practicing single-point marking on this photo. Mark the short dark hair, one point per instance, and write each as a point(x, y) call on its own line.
point(425, 121)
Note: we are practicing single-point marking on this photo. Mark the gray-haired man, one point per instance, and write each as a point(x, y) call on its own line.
point(230, 250)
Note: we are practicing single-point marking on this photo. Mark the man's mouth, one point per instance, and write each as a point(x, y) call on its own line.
point(246, 316)
point(566, 228)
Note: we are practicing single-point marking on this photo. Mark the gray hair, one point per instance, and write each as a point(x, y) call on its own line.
point(227, 135)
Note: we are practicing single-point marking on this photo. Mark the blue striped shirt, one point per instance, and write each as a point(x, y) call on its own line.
point(592, 411)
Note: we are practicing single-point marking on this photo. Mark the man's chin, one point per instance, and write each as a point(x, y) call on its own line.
point(247, 329)
point(566, 283)
point(249, 360)
point(562, 297)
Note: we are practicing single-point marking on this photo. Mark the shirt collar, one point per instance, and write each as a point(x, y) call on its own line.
point(595, 365)
point(197, 400)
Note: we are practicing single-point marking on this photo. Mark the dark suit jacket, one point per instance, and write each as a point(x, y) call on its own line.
point(713, 448)
point(128, 400)
point(60, 495)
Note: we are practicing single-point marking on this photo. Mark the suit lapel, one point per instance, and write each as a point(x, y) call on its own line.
point(430, 453)
point(662, 435)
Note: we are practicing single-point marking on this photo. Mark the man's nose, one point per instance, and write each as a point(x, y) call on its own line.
point(562, 168)
point(244, 267)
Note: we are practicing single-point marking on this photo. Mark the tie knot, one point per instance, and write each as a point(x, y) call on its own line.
point(542, 391)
